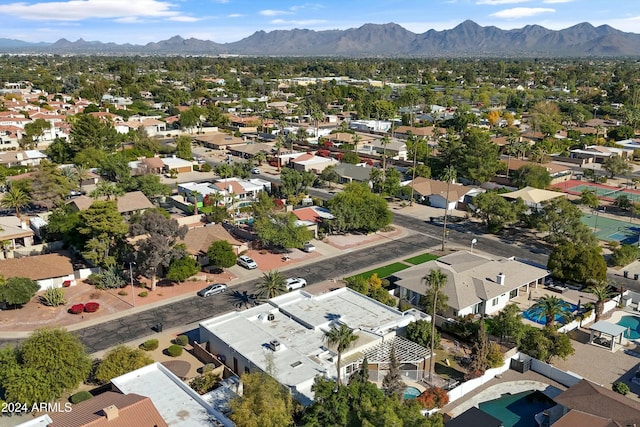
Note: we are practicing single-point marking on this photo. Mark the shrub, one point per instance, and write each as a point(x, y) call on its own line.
point(94, 279)
point(208, 368)
point(404, 305)
point(53, 297)
point(112, 278)
point(123, 293)
point(80, 396)
point(620, 387)
point(205, 167)
point(91, 307)
point(149, 345)
point(434, 397)
point(76, 309)
point(495, 359)
point(624, 255)
point(174, 350)
point(182, 340)
point(205, 383)
point(143, 294)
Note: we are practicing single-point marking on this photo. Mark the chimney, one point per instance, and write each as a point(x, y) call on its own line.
point(111, 412)
point(501, 278)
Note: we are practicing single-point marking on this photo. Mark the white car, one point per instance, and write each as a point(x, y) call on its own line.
point(295, 283)
point(247, 262)
point(255, 171)
point(308, 247)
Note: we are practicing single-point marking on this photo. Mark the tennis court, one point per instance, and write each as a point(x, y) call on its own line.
point(609, 229)
point(604, 192)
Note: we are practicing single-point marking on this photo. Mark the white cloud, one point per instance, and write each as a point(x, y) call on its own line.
point(500, 2)
point(78, 10)
point(235, 15)
point(522, 12)
point(556, 1)
point(183, 18)
point(271, 12)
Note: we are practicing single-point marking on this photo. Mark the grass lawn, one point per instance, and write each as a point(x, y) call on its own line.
point(420, 259)
point(385, 271)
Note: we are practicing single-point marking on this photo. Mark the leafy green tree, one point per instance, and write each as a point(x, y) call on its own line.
point(508, 324)
point(562, 220)
point(59, 151)
point(221, 254)
point(17, 291)
point(281, 230)
point(264, 403)
point(15, 198)
point(48, 186)
point(102, 227)
point(341, 338)
point(189, 119)
point(546, 117)
point(52, 361)
point(119, 361)
point(392, 383)
point(183, 147)
point(480, 160)
point(150, 185)
point(62, 225)
point(551, 308)
point(589, 198)
point(115, 168)
point(532, 176)
point(625, 254)
point(294, 182)
point(622, 202)
point(435, 281)
point(420, 333)
point(33, 132)
point(350, 157)
point(88, 131)
point(181, 269)
point(496, 212)
point(616, 165)
point(329, 176)
point(273, 283)
point(358, 209)
point(479, 353)
point(577, 262)
point(89, 157)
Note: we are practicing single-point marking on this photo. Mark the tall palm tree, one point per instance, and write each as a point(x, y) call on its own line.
point(195, 195)
point(449, 175)
point(106, 189)
point(272, 284)
point(82, 173)
point(341, 338)
point(603, 293)
point(551, 308)
point(356, 140)
point(435, 281)
point(16, 199)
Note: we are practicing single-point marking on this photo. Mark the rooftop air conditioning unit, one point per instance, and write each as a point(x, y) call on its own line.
point(271, 317)
point(274, 345)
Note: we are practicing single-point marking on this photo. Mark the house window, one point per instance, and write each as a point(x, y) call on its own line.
point(495, 301)
point(513, 293)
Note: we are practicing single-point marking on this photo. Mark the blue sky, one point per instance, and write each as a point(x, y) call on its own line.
point(142, 21)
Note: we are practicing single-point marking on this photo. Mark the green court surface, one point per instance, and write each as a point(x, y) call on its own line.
point(608, 229)
point(611, 192)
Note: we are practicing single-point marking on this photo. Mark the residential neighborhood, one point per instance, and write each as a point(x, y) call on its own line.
point(209, 241)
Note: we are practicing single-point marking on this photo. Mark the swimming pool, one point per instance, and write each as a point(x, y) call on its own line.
point(518, 410)
point(411, 393)
point(632, 323)
point(538, 316)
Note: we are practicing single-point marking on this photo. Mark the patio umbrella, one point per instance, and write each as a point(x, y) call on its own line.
point(578, 308)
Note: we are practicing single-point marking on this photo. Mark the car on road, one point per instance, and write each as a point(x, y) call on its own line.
point(308, 247)
point(255, 171)
point(294, 283)
point(212, 289)
point(247, 262)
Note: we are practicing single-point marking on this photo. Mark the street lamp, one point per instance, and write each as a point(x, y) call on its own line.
point(473, 243)
point(133, 292)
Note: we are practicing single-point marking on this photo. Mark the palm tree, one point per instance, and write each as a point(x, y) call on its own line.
point(435, 281)
point(82, 173)
point(603, 293)
point(356, 139)
point(16, 199)
point(272, 284)
point(449, 175)
point(106, 189)
point(260, 157)
point(551, 308)
point(341, 338)
point(195, 195)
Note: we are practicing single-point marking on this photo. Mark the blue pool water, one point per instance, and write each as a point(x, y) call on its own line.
point(632, 323)
point(411, 393)
point(540, 319)
point(518, 410)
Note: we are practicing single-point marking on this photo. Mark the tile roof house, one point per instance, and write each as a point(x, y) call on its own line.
point(533, 197)
point(110, 409)
point(49, 271)
point(475, 284)
point(127, 204)
point(308, 162)
point(436, 192)
point(559, 173)
point(199, 239)
point(219, 141)
point(588, 399)
point(177, 164)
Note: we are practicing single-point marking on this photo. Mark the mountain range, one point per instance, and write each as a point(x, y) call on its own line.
point(468, 39)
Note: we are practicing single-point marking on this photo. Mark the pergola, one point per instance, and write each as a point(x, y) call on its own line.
point(609, 329)
point(407, 353)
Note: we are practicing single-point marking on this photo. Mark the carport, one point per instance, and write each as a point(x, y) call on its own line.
point(611, 331)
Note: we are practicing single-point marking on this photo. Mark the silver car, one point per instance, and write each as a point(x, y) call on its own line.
point(247, 262)
point(212, 289)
